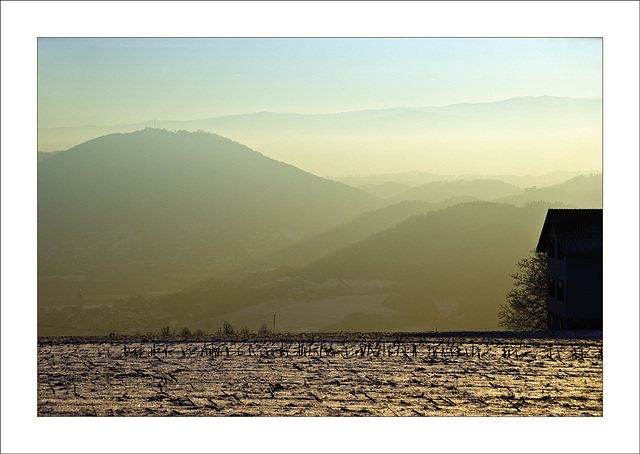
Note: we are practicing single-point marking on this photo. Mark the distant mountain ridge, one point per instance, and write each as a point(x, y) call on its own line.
point(511, 105)
point(584, 191)
point(316, 142)
point(439, 191)
point(413, 179)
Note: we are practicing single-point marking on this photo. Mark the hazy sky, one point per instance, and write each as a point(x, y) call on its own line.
point(109, 81)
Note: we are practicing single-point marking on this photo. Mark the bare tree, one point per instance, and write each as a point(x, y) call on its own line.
point(526, 307)
point(264, 329)
point(227, 328)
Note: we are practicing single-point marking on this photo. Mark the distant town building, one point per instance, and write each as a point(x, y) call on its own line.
point(572, 240)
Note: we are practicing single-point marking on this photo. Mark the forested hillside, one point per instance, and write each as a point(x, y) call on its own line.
point(156, 210)
point(453, 264)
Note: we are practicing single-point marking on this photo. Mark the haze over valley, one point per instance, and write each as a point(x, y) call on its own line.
point(158, 228)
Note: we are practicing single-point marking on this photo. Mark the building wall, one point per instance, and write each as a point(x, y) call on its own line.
point(581, 277)
point(583, 292)
point(557, 269)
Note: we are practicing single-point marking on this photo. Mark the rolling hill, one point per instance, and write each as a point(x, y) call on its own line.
point(444, 269)
point(316, 247)
point(453, 264)
point(370, 223)
point(439, 191)
point(413, 179)
point(385, 190)
point(583, 191)
point(155, 210)
point(449, 264)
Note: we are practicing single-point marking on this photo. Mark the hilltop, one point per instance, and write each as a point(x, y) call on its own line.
point(154, 210)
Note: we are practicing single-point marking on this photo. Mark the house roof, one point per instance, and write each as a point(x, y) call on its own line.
point(579, 231)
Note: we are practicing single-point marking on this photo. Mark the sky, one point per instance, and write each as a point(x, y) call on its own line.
point(111, 81)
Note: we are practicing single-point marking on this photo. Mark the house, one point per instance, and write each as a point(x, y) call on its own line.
point(572, 240)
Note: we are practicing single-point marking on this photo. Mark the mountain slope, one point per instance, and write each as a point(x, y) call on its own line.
point(385, 190)
point(453, 264)
point(583, 191)
point(153, 203)
point(414, 179)
point(369, 223)
point(439, 191)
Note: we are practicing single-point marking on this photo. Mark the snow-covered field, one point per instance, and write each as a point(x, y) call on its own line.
point(447, 374)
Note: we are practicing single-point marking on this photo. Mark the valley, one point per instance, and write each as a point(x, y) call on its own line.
point(215, 232)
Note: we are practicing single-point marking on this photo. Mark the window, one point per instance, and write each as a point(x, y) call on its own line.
point(551, 288)
point(551, 247)
point(560, 290)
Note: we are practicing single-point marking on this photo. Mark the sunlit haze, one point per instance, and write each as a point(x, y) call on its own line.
point(148, 82)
